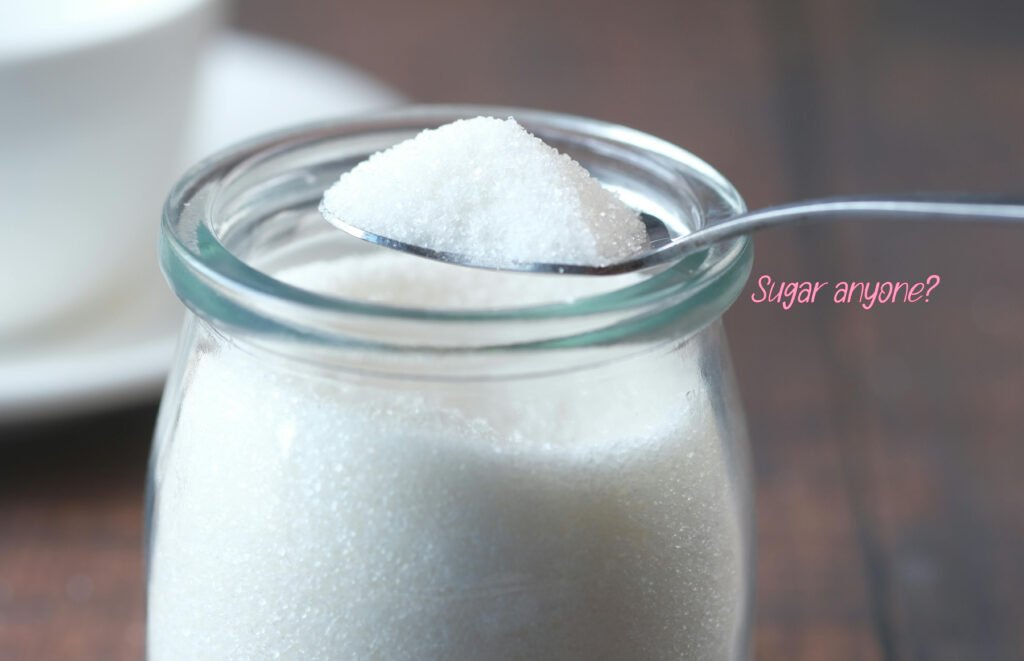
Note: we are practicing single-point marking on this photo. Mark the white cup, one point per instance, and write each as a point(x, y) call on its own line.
point(94, 104)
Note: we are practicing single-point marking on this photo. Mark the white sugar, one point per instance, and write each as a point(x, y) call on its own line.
point(570, 516)
point(487, 189)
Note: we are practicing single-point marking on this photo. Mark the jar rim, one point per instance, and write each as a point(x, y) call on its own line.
point(214, 282)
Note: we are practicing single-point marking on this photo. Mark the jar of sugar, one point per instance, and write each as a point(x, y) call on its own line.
point(363, 454)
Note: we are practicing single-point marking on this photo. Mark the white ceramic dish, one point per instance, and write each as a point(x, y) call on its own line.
point(92, 93)
point(119, 352)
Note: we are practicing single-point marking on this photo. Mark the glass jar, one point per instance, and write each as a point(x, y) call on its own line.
point(338, 479)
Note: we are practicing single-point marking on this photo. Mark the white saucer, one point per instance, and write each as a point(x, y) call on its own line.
point(120, 354)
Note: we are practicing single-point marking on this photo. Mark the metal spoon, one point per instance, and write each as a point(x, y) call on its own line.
point(978, 208)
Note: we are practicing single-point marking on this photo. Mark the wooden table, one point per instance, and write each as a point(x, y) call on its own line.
point(888, 442)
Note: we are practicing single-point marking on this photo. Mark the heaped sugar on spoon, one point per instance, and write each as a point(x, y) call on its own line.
point(485, 193)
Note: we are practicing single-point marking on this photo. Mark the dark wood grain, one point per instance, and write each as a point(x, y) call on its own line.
point(71, 538)
point(888, 443)
point(928, 103)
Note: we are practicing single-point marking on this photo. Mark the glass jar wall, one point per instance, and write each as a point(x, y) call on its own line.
point(334, 478)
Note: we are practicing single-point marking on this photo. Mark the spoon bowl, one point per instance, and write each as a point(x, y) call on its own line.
point(665, 245)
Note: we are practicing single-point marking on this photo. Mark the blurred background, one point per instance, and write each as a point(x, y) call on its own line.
point(887, 443)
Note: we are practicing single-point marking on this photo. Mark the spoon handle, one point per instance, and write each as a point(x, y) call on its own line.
point(965, 207)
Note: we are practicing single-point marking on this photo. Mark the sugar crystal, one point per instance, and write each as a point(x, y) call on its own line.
point(572, 516)
point(487, 189)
